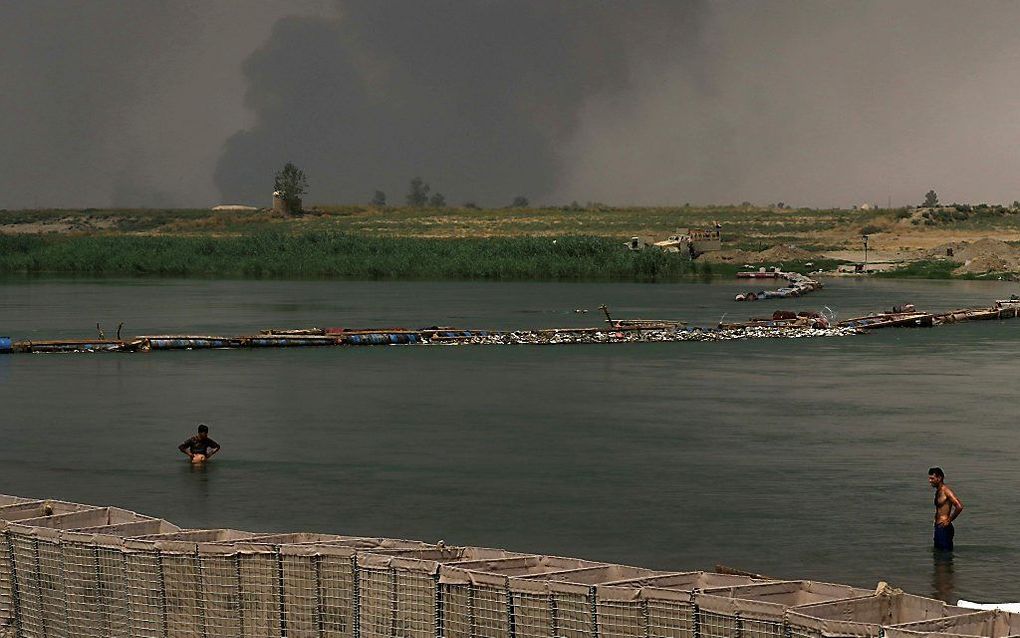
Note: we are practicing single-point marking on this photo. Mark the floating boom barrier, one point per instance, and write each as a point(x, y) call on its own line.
point(782, 324)
point(71, 570)
point(799, 285)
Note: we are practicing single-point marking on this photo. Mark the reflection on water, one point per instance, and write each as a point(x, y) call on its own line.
point(199, 488)
point(942, 581)
point(670, 456)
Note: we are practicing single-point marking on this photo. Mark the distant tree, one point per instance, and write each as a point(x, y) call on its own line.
point(437, 200)
point(781, 205)
point(418, 193)
point(519, 202)
point(1016, 204)
point(291, 184)
point(471, 205)
point(379, 199)
point(931, 200)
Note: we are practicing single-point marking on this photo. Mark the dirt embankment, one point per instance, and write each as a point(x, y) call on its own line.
point(64, 225)
point(775, 254)
point(978, 257)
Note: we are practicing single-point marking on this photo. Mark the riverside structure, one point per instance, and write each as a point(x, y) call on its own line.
point(70, 570)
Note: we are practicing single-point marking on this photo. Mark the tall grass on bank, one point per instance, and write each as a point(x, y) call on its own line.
point(342, 255)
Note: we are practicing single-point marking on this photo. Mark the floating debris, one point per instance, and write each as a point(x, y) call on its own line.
point(799, 285)
point(783, 324)
point(657, 336)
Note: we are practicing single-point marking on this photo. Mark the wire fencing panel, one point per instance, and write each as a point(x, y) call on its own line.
point(319, 590)
point(316, 584)
point(397, 597)
point(415, 601)
point(259, 575)
point(475, 604)
point(145, 590)
point(724, 617)
point(114, 613)
point(221, 591)
point(670, 614)
point(6, 580)
point(182, 589)
point(376, 602)
point(31, 622)
point(620, 612)
point(573, 609)
point(532, 609)
point(81, 587)
point(52, 596)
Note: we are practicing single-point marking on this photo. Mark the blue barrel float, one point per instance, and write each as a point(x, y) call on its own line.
point(5, 344)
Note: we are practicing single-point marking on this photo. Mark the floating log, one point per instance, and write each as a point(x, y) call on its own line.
point(382, 338)
point(889, 320)
point(287, 340)
point(71, 345)
point(978, 314)
point(187, 342)
point(294, 331)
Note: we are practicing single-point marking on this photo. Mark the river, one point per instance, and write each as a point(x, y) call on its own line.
point(800, 458)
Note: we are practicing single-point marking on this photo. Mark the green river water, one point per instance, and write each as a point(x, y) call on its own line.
point(799, 458)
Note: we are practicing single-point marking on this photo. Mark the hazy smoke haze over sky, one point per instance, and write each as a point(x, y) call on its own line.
point(188, 103)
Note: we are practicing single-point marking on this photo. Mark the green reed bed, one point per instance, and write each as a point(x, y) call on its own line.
point(343, 255)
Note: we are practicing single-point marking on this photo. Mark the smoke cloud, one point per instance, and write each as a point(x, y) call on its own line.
point(814, 104)
point(188, 103)
point(475, 97)
point(104, 102)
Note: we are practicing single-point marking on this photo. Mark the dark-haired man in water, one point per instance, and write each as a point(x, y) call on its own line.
point(947, 508)
point(200, 447)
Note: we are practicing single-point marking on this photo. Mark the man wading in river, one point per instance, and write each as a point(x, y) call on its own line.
point(200, 447)
point(947, 508)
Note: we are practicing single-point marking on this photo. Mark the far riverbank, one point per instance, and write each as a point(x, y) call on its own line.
point(574, 243)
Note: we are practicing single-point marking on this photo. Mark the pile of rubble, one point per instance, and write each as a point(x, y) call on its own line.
point(978, 257)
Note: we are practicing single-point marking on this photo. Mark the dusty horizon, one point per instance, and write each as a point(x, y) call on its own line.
point(186, 103)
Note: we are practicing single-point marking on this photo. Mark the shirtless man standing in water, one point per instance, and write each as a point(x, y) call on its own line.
point(947, 508)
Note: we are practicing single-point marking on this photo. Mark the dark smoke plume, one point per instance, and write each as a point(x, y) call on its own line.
point(180, 102)
point(476, 97)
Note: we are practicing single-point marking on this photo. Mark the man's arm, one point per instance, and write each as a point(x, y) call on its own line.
point(186, 448)
point(214, 447)
point(955, 502)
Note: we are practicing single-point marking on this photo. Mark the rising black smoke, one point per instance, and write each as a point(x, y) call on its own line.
point(823, 103)
point(476, 97)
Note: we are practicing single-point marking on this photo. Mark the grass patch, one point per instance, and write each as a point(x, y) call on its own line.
point(927, 269)
point(274, 253)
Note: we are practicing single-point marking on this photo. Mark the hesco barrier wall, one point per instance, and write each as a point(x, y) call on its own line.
point(69, 570)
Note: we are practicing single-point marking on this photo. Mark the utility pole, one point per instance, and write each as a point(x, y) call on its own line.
point(865, 237)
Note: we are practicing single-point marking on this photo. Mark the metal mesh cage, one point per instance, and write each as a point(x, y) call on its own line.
point(106, 581)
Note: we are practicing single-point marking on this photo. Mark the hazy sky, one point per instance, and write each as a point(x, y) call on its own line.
point(193, 103)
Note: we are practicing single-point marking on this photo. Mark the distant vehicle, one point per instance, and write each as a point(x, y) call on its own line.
point(689, 243)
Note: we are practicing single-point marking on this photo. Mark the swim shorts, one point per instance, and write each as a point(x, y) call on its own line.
point(944, 537)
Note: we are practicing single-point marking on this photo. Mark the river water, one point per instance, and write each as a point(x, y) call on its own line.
point(798, 458)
